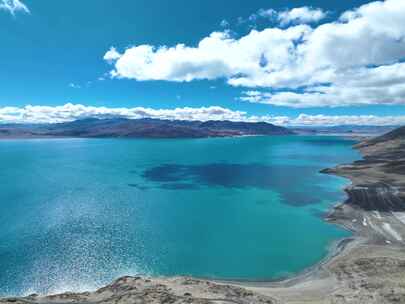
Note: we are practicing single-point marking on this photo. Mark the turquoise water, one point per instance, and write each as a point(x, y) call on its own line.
point(77, 213)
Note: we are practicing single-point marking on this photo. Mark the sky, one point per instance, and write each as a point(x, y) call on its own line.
point(299, 62)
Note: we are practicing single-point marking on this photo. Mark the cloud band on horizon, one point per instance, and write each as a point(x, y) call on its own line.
point(70, 112)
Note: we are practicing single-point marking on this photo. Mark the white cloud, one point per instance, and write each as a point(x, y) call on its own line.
point(216, 56)
point(13, 6)
point(70, 112)
point(112, 55)
point(361, 86)
point(298, 15)
point(331, 120)
point(301, 15)
point(336, 120)
point(355, 60)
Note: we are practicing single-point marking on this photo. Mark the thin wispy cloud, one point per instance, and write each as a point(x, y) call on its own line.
point(224, 23)
point(13, 6)
point(70, 112)
point(355, 59)
point(74, 86)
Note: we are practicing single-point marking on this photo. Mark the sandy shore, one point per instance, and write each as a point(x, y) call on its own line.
point(368, 267)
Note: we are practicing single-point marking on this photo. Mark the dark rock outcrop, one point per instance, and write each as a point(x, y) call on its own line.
point(379, 178)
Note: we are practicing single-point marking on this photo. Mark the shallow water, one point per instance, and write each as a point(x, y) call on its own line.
point(77, 213)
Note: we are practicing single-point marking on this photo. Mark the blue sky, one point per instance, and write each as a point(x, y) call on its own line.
point(54, 52)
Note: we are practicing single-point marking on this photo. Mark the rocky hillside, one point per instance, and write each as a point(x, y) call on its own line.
point(395, 135)
point(176, 290)
point(379, 178)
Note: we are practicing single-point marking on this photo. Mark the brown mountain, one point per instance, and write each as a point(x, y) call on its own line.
point(142, 128)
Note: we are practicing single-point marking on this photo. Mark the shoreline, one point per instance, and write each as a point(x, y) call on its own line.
point(334, 250)
point(344, 275)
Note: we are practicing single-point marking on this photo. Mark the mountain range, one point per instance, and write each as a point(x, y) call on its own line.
point(140, 128)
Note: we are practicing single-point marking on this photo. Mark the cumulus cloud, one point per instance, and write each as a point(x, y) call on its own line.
point(303, 14)
point(216, 56)
point(13, 6)
point(70, 112)
point(361, 86)
point(354, 60)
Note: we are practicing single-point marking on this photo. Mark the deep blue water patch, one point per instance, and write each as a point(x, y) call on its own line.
point(291, 186)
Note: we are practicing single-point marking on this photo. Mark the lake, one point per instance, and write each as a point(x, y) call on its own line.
point(77, 213)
